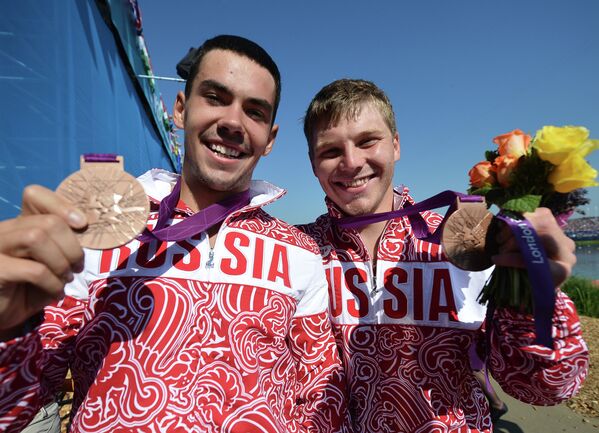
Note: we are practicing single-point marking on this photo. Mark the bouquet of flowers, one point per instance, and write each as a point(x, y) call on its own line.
point(524, 173)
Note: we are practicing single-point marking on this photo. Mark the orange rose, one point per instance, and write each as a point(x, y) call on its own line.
point(505, 166)
point(482, 174)
point(513, 143)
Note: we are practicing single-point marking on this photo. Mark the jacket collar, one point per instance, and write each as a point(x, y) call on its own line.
point(158, 183)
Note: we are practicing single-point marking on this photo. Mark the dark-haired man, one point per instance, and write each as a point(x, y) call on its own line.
point(405, 317)
point(224, 329)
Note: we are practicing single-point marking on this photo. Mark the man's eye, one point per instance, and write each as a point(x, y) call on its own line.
point(256, 114)
point(212, 97)
point(368, 142)
point(329, 153)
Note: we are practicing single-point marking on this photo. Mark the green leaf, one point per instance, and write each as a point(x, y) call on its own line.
point(525, 203)
point(480, 191)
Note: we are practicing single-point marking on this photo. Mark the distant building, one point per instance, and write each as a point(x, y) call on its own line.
point(582, 229)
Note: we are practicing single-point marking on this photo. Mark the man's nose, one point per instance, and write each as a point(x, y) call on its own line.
point(352, 158)
point(230, 126)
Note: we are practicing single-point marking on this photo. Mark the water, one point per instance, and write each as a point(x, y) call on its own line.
point(587, 264)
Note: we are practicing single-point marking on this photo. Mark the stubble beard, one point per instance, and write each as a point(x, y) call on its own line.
point(202, 178)
point(356, 208)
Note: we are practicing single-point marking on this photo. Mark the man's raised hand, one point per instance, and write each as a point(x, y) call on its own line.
point(39, 253)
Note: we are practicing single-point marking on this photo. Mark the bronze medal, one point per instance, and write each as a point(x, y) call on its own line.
point(465, 236)
point(114, 202)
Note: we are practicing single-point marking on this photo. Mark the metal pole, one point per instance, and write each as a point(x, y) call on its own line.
point(156, 77)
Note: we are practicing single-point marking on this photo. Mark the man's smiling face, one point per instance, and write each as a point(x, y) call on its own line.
point(354, 161)
point(227, 121)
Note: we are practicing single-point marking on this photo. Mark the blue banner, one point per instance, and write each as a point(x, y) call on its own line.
point(67, 89)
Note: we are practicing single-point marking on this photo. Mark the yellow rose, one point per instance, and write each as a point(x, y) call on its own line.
point(572, 174)
point(555, 144)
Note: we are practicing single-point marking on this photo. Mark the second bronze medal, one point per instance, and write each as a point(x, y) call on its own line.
point(465, 236)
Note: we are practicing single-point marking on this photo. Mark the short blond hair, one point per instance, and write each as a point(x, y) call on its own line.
point(344, 98)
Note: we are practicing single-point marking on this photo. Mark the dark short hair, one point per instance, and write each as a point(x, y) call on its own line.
point(188, 67)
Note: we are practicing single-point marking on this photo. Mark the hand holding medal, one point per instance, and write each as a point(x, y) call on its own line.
point(98, 207)
point(524, 174)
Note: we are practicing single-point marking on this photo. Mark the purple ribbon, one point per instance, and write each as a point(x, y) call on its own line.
point(194, 224)
point(539, 273)
point(100, 157)
point(412, 211)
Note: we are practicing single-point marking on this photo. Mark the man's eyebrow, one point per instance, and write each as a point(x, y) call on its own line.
point(322, 145)
point(368, 132)
point(215, 85)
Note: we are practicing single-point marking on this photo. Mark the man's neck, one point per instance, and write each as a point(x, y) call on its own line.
point(198, 196)
point(371, 233)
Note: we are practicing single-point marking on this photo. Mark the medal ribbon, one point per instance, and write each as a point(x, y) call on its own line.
point(194, 224)
point(539, 273)
point(534, 254)
point(412, 211)
point(100, 157)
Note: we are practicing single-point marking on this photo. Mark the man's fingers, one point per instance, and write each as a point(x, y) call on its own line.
point(39, 252)
point(560, 249)
point(560, 271)
point(36, 244)
point(40, 200)
point(558, 245)
point(17, 272)
point(45, 238)
point(509, 260)
point(503, 233)
point(507, 246)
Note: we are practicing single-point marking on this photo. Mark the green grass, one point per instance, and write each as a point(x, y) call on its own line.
point(584, 294)
point(585, 243)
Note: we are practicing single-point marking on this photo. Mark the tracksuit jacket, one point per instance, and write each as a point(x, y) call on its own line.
point(180, 337)
point(405, 322)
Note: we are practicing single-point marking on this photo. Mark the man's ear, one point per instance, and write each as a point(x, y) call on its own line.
point(396, 146)
point(179, 111)
point(271, 139)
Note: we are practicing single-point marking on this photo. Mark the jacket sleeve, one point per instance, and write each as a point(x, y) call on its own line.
point(321, 398)
point(33, 367)
point(536, 374)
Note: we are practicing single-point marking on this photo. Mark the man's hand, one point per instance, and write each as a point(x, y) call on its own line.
point(559, 248)
point(39, 253)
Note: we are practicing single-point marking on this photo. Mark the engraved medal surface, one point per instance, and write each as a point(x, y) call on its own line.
point(465, 236)
point(114, 202)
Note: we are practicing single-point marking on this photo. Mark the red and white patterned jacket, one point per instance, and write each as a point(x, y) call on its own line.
point(405, 329)
point(178, 337)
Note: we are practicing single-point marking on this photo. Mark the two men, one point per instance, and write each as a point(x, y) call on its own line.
point(225, 329)
point(405, 317)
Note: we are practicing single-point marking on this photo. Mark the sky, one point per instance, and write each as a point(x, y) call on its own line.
point(457, 72)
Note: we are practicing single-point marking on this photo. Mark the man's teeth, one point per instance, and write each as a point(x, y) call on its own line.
point(356, 182)
point(226, 151)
